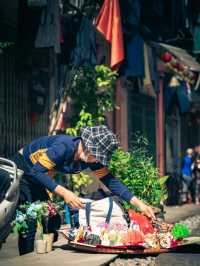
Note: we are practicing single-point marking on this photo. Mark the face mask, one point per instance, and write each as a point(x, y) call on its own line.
point(84, 157)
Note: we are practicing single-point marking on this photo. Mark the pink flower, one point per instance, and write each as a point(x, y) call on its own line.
point(51, 209)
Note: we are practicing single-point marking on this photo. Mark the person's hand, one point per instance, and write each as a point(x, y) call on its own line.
point(145, 209)
point(69, 197)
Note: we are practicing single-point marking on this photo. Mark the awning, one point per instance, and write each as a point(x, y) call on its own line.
point(180, 54)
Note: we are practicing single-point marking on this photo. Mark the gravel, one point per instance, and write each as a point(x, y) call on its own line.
point(193, 224)
point(150, 261)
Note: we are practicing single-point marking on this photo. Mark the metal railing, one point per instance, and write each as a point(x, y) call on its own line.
point(16, 128)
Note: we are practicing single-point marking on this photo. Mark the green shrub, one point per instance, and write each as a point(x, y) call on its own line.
point(136, 169)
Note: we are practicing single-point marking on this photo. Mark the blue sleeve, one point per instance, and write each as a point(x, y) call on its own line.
point(39, 173)
point(56, 154)
point(116, 187)
point(113, 184)
point(59, 151)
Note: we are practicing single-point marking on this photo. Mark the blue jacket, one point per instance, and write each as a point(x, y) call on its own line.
point(186, 166)
point(57, 152)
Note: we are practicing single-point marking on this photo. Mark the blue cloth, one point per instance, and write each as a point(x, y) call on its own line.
point(183, 98)
point(196, 42)
point(179, 93)
point(84, 54)
point(59, 153)
point(133, 65)
point(67, 214)
point(186, 166)
point(117, 187)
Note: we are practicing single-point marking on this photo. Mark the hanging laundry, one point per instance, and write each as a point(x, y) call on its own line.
point(49, 29)
point(133, 65)
point(152, 19)
point(70, 25)
point(108, 23)
point(147, 81)
point(179, 19)
point(176, 90)
point(196, 47)
point(183, 98)
point(103, 50)
point(147, 78)
point(134, 53)
point(84, 53)
point(58, 117)
point(153, 68)
point(58, 114)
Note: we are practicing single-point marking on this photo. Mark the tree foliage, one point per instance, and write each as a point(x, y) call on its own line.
point(91, 89)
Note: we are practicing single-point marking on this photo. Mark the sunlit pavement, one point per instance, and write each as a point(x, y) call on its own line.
point(61, 255)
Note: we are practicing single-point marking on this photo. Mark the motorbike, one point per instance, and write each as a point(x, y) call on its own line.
point(9, 195)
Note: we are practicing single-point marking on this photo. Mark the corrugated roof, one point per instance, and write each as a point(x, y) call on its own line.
point(181, 54)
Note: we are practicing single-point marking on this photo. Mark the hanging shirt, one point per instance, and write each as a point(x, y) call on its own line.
point(84, 54)
point(57, 152)
point(133, 65)
point(49, 28)
point(196, 42)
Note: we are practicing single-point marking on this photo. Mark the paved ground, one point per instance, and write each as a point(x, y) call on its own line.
point(63, 256)
point(59, 257)
point(180, 259)
point(177, 213)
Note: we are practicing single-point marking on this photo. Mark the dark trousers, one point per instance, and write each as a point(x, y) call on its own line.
point(31, 190)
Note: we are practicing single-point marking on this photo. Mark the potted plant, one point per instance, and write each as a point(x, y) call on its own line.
point(36, 217)
point(137, 170)
point(27, 222)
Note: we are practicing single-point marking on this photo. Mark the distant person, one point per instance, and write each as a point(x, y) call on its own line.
point(196, 174)
point(187, 178)
point(197, 150)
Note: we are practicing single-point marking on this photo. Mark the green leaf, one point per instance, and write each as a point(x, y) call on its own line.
point(162, 180)
point(137, 170)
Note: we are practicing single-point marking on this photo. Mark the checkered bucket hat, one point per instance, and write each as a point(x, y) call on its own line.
point(100, 141)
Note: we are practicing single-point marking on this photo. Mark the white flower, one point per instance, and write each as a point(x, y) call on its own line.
point(20, 217)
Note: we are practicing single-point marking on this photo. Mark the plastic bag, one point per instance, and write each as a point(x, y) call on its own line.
point(144, 223)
